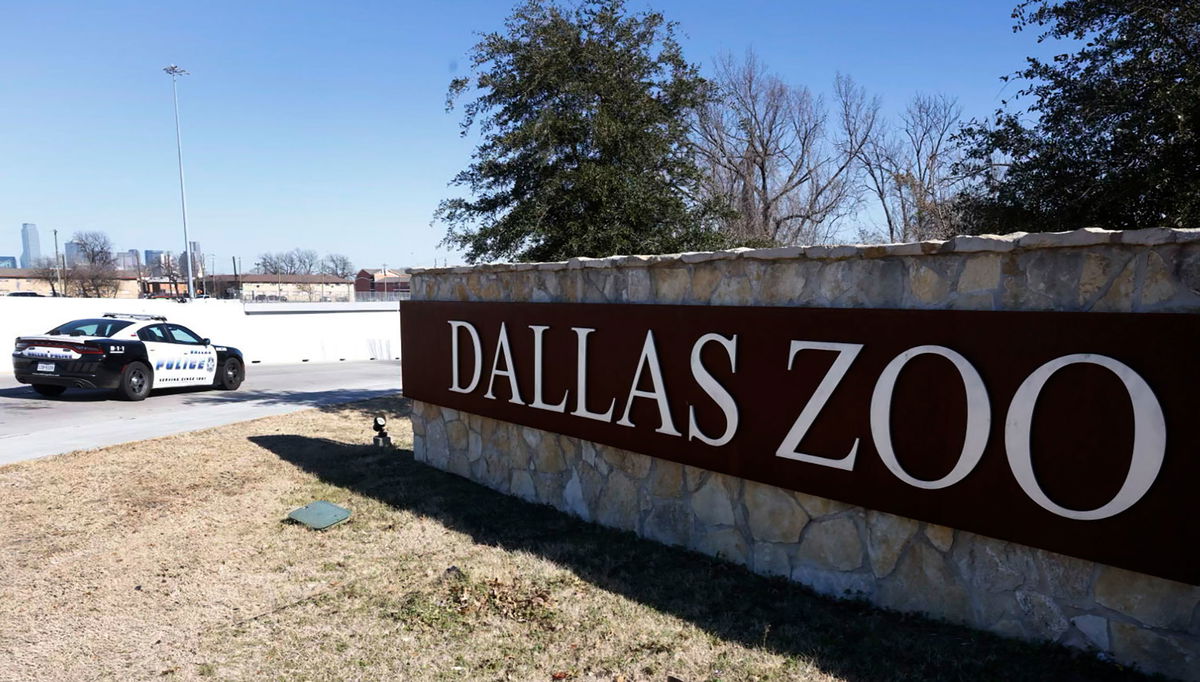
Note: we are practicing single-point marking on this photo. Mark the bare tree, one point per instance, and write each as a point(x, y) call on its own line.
point(46, 271)
point(96, 275)
point(337, 265)
point(910, 171)
point(170, 270)
point(771, 153)
point(294, 262)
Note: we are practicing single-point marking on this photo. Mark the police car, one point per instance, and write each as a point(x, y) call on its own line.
point(130, 354)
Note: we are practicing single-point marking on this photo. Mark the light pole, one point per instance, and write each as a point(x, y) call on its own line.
point(175, 72)
point(57, 269)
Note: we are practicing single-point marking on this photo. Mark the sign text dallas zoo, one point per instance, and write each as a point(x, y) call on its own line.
point(1068, 431)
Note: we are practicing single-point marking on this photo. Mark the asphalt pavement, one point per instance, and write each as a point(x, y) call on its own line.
point(32, 426)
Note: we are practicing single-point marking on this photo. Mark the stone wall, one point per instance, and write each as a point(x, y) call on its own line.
point(835, 548)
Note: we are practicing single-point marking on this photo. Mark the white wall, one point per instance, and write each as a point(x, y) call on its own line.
point(265, 333)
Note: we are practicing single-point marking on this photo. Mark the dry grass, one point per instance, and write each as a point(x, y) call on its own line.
point(168, 558)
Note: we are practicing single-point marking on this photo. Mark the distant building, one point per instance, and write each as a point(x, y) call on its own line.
point(8, 262)
point(197, 260)
point(155, 262)
point(31, 246)
point(292, 288)
point(378, 284)
point(128, 260)
point(73, 253)
point(28, 279)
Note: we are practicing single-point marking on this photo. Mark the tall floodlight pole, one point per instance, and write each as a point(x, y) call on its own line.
point(175, 72)
point(57, 269)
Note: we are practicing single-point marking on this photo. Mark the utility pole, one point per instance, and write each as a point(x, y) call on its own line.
point(57, 270)
point(175, 72)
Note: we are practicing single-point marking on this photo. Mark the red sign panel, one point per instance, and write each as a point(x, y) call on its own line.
point(1073, 432)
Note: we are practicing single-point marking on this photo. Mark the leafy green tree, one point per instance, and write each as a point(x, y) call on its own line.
point(1111, 136)
point(584, 117)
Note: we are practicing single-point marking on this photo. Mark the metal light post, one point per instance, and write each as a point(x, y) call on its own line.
point(175, 72)
point(57, 269)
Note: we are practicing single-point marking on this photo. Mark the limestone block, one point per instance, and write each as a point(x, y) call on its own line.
point(984, 243)
point(436, 444)
point(732, 291)
point(521, 485)
point(419, 450)
point(474, 446)
point(770, 559)
point(569, 447)
point(497, 474)
point(704, 282)
point(571, 285)
point(635, 464)
point(548, 458)
point(639, 288)
point(886, 536)
point(819, 506)
point(666, 479)
point(693, 478)
point(712, 504)
point(591, 484)
point(783, 281)
point(832, 544)
point(587, 452)
point(1150, 236)
point(456, 433)
point(418, 424)
point(549, 489)
point(924, 581)
point(669, 522)
point(927, 285)
point(980, 273)
point(1063, 576)
point(976, 301)
point(1051, 279)
point(1042, 614)
point(670, 284)
point(773, 514)
point(1119, 297)
point(1088, 236)
point(723, 543)
point(618, 506)
point(1158, 284)
point(940, 537)
point(993, 566)
point(1175, 656)
point(456, 463)
point(784, 252)
point(532, 437)
point(1094, 629)
point(1154, 601)
point(834, 583)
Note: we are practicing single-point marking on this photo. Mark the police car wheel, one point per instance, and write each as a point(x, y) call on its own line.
point(135, 382)
point(48, 390)
point(231, 375)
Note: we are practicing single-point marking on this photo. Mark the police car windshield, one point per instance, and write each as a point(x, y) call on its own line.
point(99, 327)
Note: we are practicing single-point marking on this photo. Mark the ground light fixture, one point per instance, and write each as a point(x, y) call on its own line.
point(382, 439)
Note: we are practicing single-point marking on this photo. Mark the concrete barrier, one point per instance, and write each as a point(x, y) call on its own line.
point(267, 333)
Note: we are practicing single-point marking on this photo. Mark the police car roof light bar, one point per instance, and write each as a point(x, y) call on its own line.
point(137, 316)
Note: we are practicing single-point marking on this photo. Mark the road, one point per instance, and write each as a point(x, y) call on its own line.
point(32, 426)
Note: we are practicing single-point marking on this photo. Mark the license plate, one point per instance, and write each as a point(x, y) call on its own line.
point(45, 367)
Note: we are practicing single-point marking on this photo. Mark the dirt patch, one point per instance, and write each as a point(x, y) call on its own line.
point(170, 558)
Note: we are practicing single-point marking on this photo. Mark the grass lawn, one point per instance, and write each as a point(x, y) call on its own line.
point(169, 559)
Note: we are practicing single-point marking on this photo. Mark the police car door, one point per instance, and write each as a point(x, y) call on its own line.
point(159, 350)
point(196, 361)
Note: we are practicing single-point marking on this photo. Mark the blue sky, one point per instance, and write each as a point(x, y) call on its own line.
point(321, 124)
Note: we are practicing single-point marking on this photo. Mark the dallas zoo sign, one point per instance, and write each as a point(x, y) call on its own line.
point(1074, 432)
